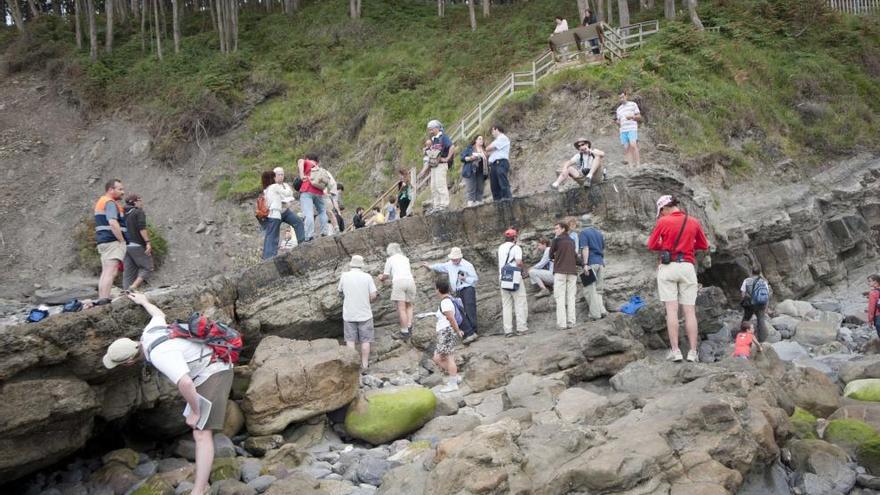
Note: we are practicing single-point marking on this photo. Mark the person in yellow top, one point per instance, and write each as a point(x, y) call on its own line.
point(377, 219)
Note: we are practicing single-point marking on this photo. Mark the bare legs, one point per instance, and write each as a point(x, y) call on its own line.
point(690, 324)
point(631, 153)
point(406, 314)
point(447, 363)
point(108, 274)
point(365, 352)
point(204, 459)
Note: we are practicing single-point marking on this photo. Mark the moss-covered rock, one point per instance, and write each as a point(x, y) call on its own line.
point(385, 415)
point(803, 424)
point(866, 390)
point(154, 485)
point(849, 434)
point(868, 455)
point(127, 457)
point(225, 468)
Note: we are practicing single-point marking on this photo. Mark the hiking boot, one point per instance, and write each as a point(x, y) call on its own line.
point(470, 338)
point(452, 386)
point(674, 356)
point(692, 356)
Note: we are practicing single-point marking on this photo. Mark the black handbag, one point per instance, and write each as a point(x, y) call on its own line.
point(588, 278)
point(666, 256)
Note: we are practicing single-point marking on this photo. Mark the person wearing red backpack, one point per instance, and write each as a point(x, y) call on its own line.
point(196, 370)
point(873, 301)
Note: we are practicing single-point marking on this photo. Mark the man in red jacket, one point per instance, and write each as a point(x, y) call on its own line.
point(676, 237)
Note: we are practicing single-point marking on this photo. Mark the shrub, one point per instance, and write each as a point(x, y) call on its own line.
point(87, 257)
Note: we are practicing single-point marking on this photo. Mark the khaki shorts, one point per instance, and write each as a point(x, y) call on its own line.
point(358, 331)
point(216, 389)
point(110, 251)
point(573, 171)
point(677, 282)
point(403, 290)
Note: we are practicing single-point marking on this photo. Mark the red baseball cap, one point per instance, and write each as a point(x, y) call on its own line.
point(510, 233)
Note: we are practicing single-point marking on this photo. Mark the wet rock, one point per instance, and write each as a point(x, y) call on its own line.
point(259, 445)
point(127, 457)
point(185, 447)
point(183, 488)
point(146, 469)
point(262, 483)
point(155, 485)
point(116, 476)
point(371, 469)
point(250, 469)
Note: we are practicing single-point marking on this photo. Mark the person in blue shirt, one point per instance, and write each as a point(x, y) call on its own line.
point(462, 280)
point(592, 245)
point(499, 164)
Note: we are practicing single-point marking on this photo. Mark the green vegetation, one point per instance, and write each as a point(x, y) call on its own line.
point(784, 78)
point(87, 256)
point(868, 455)
point(866, 389)
point(849, 434)
point(804, 424)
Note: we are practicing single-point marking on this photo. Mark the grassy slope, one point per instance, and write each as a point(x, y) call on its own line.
point(784, 79)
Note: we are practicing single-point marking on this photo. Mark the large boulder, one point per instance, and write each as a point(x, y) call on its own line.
point(576, 405)
point(797, 309)
point(812, 390)
point(860, 368)
point(294, 380)
point(867, 390)
point(866, 412)
point(789, 351)
point(828, 462)
point(382, 415)
point(42, 421)
point(446, 427)
point(816, 332)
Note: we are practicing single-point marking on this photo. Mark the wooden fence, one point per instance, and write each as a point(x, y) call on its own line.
point(855, 7)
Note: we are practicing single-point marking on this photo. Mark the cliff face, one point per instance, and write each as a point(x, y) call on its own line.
point(56, 395)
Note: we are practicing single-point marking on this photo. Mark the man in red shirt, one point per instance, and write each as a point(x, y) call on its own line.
point(311, 198)
point(873, 300)
point(676, 237)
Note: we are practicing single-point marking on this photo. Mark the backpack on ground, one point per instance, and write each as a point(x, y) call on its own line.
point(224, 341)
point(634, 304)
point(320, 178)
point(262, 208)
point(36, 315)
point(459, 310)
point(760, 293)
point(72, 306)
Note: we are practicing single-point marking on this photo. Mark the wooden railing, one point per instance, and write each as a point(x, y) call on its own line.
point(614, 44)
point(855, 7)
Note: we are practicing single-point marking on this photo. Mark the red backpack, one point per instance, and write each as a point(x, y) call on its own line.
point(225, 342)
point(262, 209)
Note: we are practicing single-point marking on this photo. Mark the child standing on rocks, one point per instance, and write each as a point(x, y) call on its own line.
point(447, 328)
point(745, 340)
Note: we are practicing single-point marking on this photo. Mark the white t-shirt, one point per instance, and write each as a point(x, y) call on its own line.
point(446, 305)
point(510, 251)
point(178, 357)
point(397, 266)
point(561, 27)
point(276, 196)
point(588, 160)
point(628, 109)
point(356, 287)
point(501, 147)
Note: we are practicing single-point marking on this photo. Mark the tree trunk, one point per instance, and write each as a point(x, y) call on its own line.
point(473, 14)
point(234, 6)
point(669, 9)
point(353, 9)
point(164, 23)
point(609, 13)
point(108, 40)
point(175, 19)
point(623, 12)
point(15, 11)
point(649, 4)
point(93, 30)
point(600, 10)
point(211, 8)
point(156, 4)
point(441, 8)
point(486, 4)
point(77, 12)
point(695, 18)
point(34, 11)
point(582, 8)
point(56, 8)
point(143, 7)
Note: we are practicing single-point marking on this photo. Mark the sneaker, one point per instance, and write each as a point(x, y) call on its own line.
point(405, 335)
point(523, 332)
point(553, 187)
point(508, 334)
point(452, 386)
point(692, 356)
point(674, 356)
point(458, 379)
point(470, 338)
